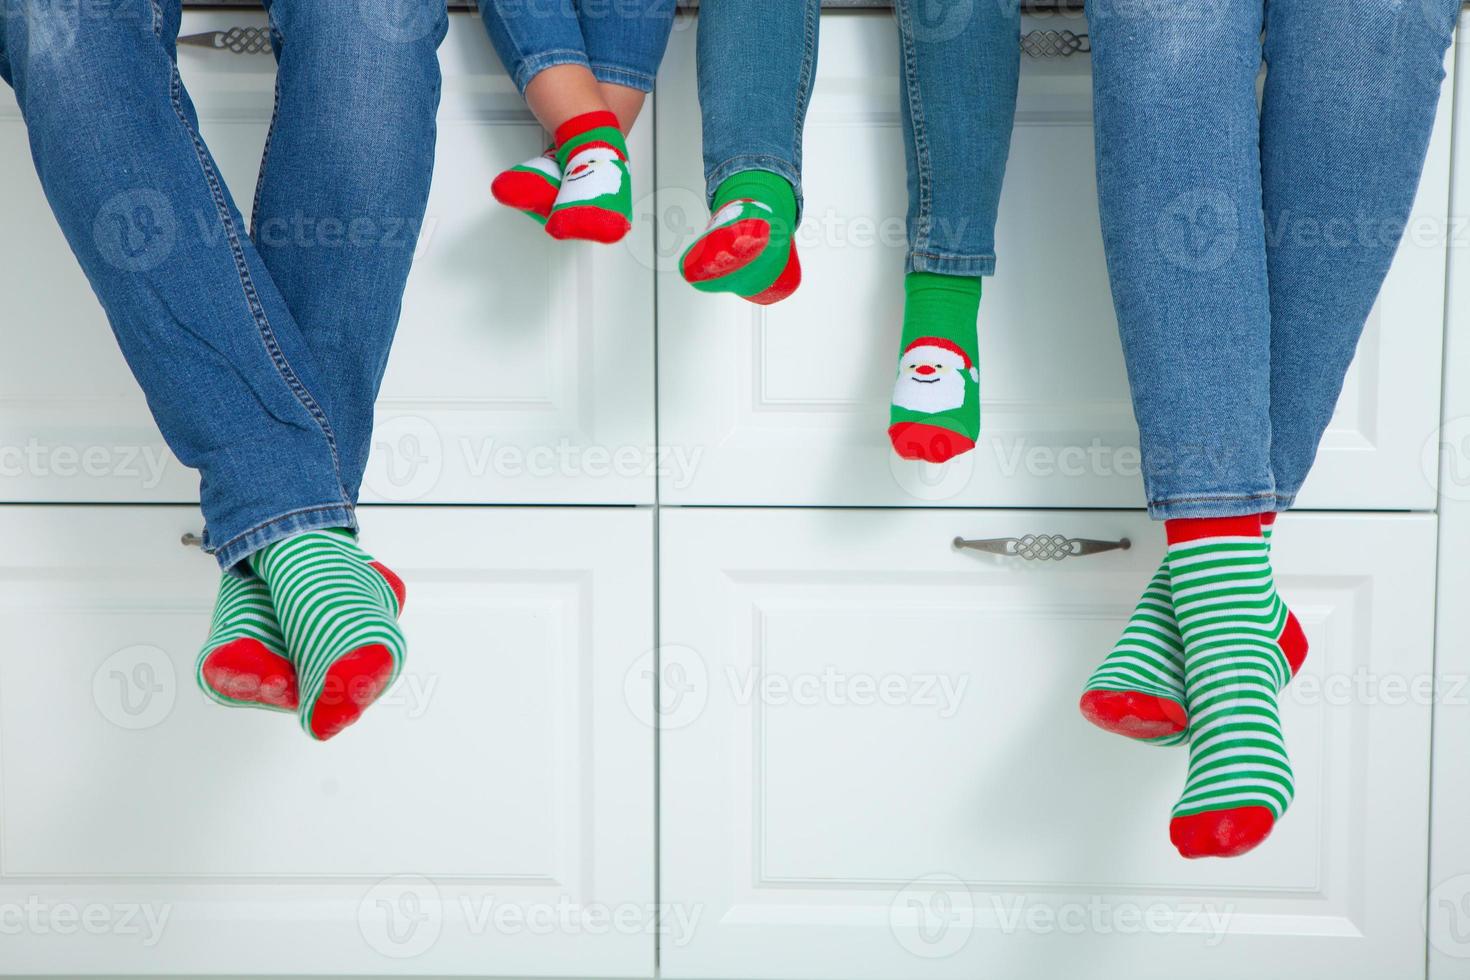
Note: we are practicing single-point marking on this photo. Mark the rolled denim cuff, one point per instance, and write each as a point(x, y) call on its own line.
point(1216, 505)
point(779, 166)
point(534, 65)
point(626, 77)
point(231, 554)
point(973, 266)
point(1285, 501)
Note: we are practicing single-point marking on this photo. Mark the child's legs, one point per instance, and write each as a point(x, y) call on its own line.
point(533, 35)
point(343, 191)
point(625, 44)
point(757, 62)
point(1180, 195)
point(959, 106)
point(1343, 141)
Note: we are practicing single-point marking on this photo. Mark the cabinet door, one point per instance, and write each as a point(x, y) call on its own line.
point(872, 763)
point(523, 370)
point(492, 816)
point(801, 388)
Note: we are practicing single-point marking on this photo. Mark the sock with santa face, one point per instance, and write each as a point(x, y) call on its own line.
point(747, 247)
point(530, 187)
point(936, 400)
point(1138, 690)
point(1230, 617)
point(595, 202)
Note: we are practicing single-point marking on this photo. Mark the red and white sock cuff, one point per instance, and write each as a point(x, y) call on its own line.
point(1185, 529)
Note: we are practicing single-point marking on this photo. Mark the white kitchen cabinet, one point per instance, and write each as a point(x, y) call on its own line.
point(494, 815)
point(789, 404)
point(873, 764)
point(523, 370)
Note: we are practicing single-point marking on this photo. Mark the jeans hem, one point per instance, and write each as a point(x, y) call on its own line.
point(1285, 501)
point(951, 265)
point(233, 552)
point(534, 65)
point(626, 77)
point(786, 169)
point(1213, 505)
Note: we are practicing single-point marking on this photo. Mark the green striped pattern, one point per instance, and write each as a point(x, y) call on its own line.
point(241, 611)
point(1149, 657)
point(1230, 617)
point(330, 602)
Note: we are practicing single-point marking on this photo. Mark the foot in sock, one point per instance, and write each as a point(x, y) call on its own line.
point(1138, 691)
point(338, 613)
point(244, 662)
point(530, 187)
point(1230, 617)
point(747, 249)
point(595, 202)
point(936, 400)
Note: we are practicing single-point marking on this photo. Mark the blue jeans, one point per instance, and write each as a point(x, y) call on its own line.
point(1247, 243)
point(621, 42)
point(260, 354)
point(961, 62)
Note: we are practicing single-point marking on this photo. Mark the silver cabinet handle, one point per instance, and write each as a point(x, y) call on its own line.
point(1055, 44)
point(191, 540)
point(1043, 547)
point(236, 40)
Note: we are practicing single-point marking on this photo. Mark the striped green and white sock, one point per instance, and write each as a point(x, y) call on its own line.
point(1230, 617)
point(338, 614)
point(244, 662)
point(1138, 690)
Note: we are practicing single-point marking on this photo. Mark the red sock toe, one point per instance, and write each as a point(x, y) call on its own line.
point(786, 283)
point(1221, 833)
point(245, 670)
point(930, 443)
point(1134, 714)
point(353, 683)
point(726, 250)
point(525, 192)
point(588, 224)
point(1293, 642)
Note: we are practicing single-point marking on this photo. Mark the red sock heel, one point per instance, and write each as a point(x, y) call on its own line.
point(1134, 714)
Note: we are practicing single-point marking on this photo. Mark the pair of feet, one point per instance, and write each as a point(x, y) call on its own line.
point(312, 630)
point(580, 188)
point(1203, 660)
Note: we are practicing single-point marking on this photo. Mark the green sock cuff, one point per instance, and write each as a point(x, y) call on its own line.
point(944, 306)
point(771, 189)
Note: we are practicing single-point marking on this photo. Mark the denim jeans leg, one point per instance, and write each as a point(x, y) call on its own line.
point(344, 187)
point(1344, 134)
point(961, 64)
point(757, 64)
point(626, 40)
point(1179, 183)
point(227, 374)
point(533, 35)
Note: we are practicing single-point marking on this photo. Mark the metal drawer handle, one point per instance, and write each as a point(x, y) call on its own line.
point(237, 40)
point(191, 540)
point(1055, 44)
point(1043, 547)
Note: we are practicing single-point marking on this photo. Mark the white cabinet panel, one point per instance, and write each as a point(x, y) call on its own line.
point(872, 763)
point(523, 370)
point(492, 816)
point(801, 389)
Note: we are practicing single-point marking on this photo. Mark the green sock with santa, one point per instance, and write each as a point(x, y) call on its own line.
point(936, 400)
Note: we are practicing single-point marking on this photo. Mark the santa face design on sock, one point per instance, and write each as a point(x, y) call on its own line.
point(932, 376)
point(592, 173)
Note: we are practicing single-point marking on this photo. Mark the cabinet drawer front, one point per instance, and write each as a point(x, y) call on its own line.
point(523, 369)
point(477, 821)
point(873, 765)
point(801, 388)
